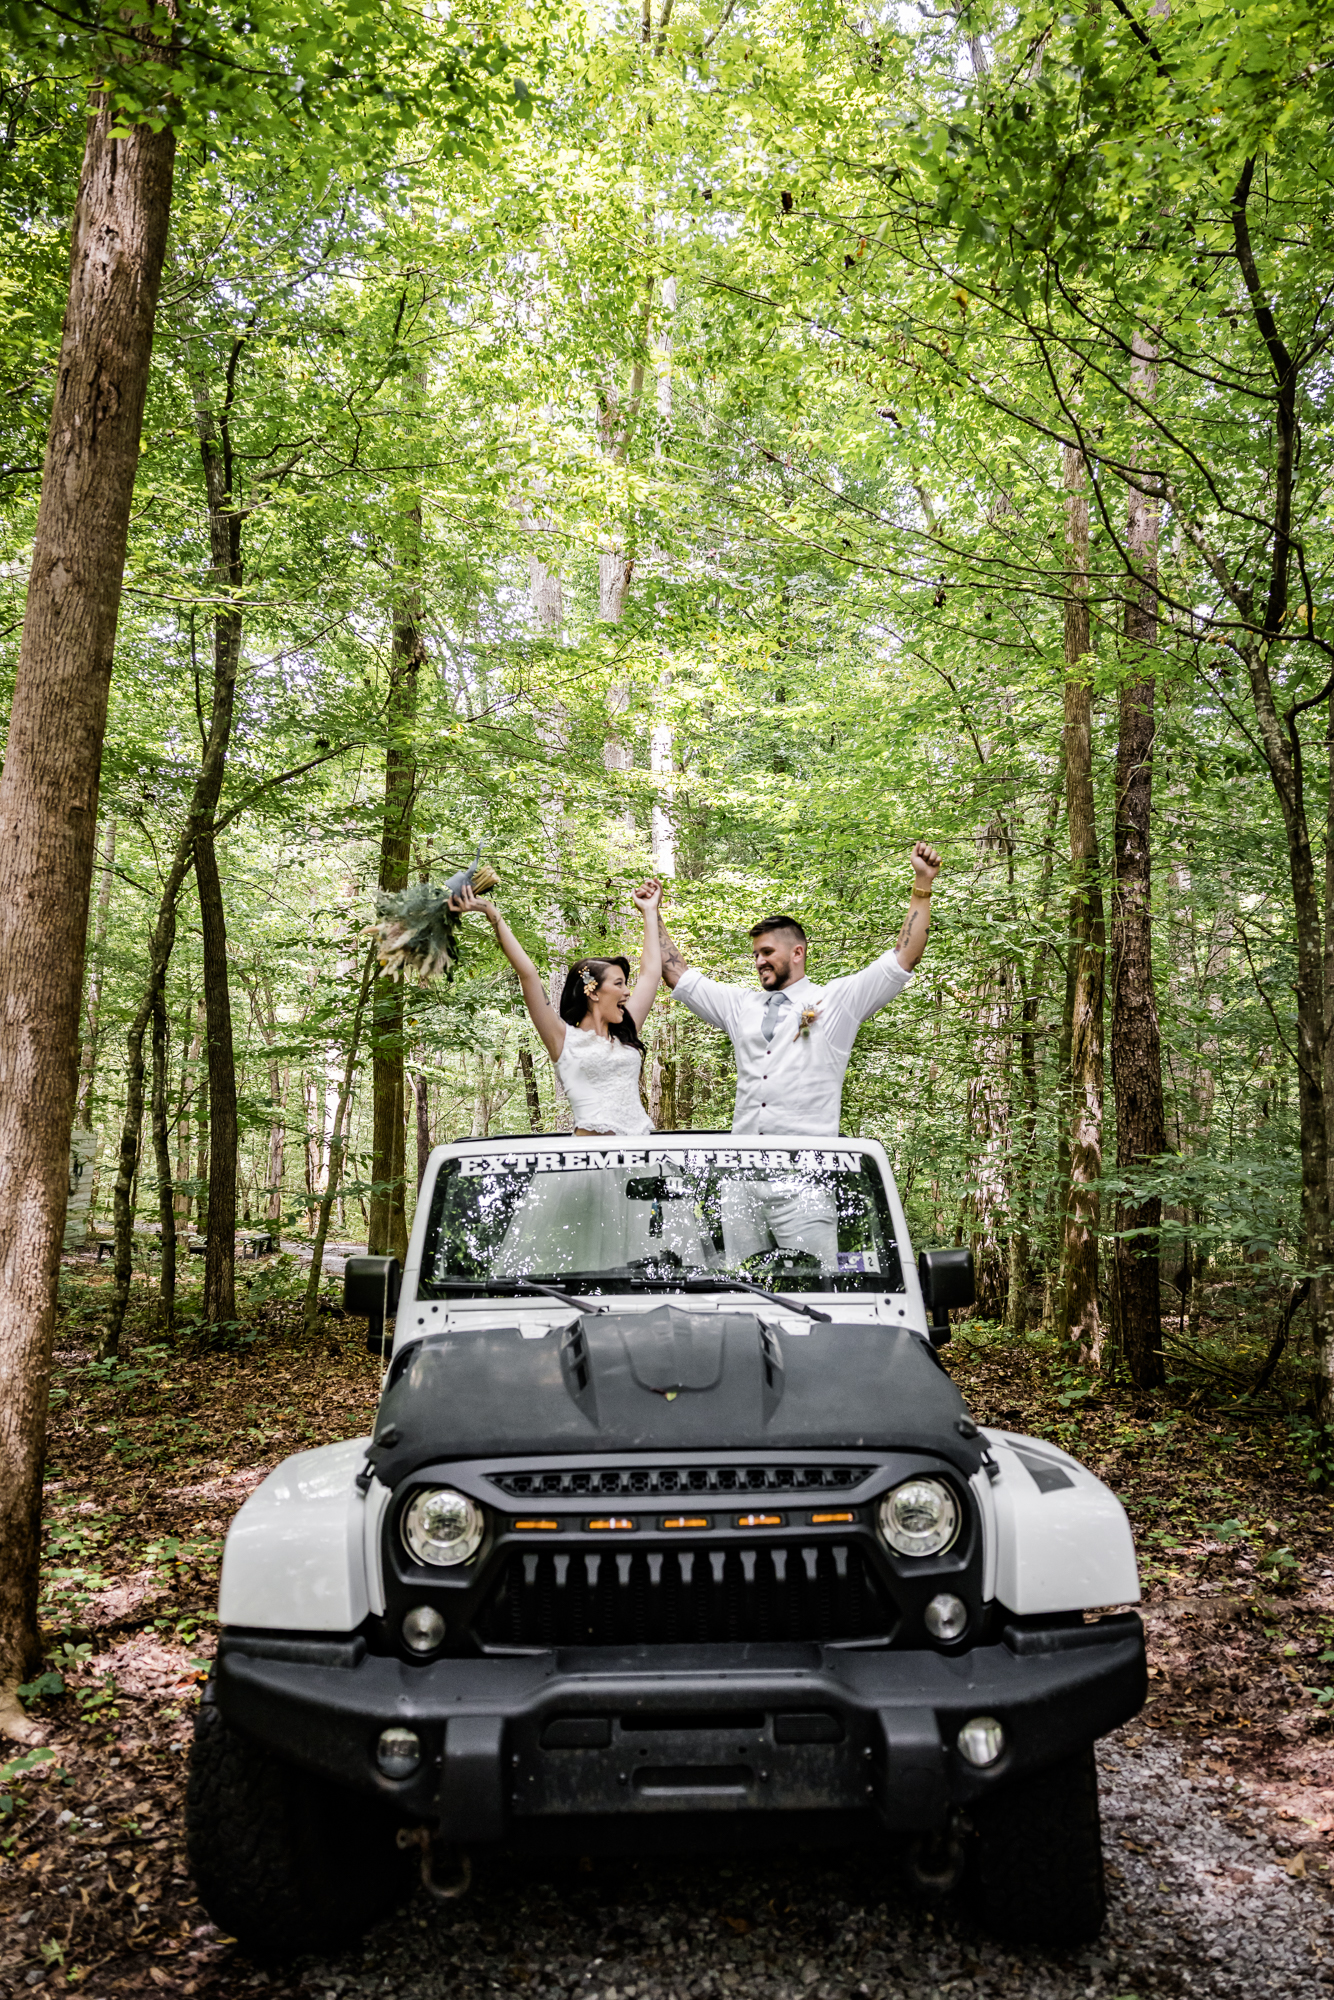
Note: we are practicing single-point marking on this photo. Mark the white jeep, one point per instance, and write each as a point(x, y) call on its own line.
point(672, 1524)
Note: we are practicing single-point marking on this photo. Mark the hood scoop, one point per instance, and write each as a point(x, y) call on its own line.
point(670, 1350)
point(668, 1380)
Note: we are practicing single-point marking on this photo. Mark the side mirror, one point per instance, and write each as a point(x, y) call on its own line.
point(946, 1278)
point(370, 1291)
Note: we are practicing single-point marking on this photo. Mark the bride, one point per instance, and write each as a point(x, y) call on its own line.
point(593, 1040)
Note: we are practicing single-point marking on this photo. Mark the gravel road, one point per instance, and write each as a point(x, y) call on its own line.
point(1200, 1905)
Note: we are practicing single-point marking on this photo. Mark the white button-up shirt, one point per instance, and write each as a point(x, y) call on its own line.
point(795, 1082)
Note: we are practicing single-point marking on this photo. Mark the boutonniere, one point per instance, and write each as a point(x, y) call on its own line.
point(806, 1020)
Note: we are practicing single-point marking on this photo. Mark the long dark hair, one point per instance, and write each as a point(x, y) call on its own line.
point(574, 999)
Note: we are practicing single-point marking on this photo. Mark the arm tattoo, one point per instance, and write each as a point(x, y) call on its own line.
point(673, 964)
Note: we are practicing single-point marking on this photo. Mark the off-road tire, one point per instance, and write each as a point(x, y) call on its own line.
point(1037, 1875)
point(284, 1861)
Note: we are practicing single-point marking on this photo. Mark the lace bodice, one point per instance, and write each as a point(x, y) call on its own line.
point(601, 1078)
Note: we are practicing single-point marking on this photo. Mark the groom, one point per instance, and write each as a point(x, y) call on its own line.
point(792, 1041)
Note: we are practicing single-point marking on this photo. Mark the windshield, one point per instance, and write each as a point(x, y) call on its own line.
point(814, 1220)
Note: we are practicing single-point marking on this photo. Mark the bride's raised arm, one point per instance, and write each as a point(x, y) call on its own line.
point(646, 899)
point(540, 1010)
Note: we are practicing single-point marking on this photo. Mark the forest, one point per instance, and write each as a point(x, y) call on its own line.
point(718, 439)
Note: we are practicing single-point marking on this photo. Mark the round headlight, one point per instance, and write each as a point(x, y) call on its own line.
point(443, 1527)
point(920, 1518)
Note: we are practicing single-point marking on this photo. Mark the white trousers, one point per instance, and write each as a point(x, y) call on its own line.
point(779, 1215)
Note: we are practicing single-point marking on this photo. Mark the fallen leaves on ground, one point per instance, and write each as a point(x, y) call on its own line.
point(149, 1461)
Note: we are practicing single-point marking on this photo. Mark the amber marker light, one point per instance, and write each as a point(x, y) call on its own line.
point(537, 1527)
point(829, 1520)
point(613, 1523)
point(686, 1521)
point(759, 1520)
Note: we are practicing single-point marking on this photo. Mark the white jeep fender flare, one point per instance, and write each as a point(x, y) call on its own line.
point(303, 1554)
point(1055, 1538)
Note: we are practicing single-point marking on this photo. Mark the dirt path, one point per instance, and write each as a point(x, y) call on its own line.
point(1199, 1906)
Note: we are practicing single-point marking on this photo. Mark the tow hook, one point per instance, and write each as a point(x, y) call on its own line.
point(936, 1864)
point(444, 1892)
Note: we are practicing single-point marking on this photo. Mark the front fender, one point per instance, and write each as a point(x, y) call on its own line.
point(303, 1553)
point(1062, 1540)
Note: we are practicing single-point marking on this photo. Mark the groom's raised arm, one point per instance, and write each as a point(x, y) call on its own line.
point(917, 922)
point(851, 1000)
point(713, 1003)
point(673, 963)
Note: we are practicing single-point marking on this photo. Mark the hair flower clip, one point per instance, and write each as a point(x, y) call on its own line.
point(806, 1020)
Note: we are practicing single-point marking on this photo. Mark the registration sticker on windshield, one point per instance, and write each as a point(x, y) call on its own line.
point(859, 1260)
point(593, 1159)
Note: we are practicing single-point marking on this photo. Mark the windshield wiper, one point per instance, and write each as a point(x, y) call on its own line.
point(513, 1285)
point(705, 1282)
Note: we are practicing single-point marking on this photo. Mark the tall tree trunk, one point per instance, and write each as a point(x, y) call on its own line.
point(663, 829)
point(616, 561)
point(1026, 1124)
point(220, 1242)
point(127, 1164)
point(265, 1013)
point(225, 546)
point(547, 598)
point(528, 1071)
point(162, 1158)
point(201, 1137)
point(311, 1100)
point(1137, 1069)
point(685, 1091)
point(278, 1078)
point(224, 535)
point(422, 1106)
point(93, 1005)
point(1080, 1317)
point(190, 1052)
point(337, 1148)
point(48, 798)
point(387, 1233)
point(1281, 741)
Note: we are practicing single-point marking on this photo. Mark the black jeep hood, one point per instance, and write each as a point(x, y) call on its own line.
point(667, 1380)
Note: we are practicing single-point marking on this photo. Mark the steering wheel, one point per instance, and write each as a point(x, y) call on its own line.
point(779, 1263)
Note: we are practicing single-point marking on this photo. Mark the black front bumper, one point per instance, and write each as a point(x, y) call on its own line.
point(603, 1731)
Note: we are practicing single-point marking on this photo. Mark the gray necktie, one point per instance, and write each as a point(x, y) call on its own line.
point(769, 1023)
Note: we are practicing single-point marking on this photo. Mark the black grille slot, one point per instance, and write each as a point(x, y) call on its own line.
point(665, 1597)
point(608, 1481)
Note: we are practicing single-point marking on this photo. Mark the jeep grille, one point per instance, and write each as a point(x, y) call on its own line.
point(675, 1596)
point(605, 1481)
